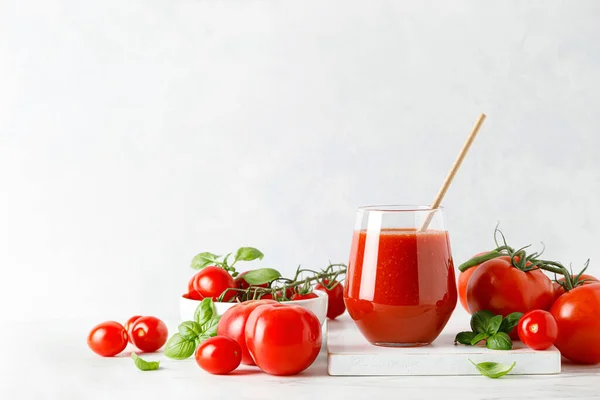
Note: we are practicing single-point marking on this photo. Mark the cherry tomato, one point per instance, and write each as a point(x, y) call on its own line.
point(129, 324)
point(219, 355)
point(577, 315)
point(497, 286)
point(463, 280)
point(306, 296)
point(233, 324)
point(212, 281)
point(335, 303)
point(584, 279)
point(283, 339)
point(149, 334)
point(538, 329)
point(107, 339)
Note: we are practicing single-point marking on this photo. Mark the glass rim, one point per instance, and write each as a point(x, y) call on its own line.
point(398, 208)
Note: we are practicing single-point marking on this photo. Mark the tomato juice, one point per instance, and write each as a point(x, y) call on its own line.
point(400, 287)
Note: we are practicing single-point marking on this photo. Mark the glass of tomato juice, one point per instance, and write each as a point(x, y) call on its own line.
point(400, 286)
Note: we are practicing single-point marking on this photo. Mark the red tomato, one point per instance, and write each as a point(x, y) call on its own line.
point(193, 295)
point(283, 339)
point(107, 339)
point(149, 334)
point(577, 314)
point(212, 281)
point(538, 329)
point(585, 279)
point(499, 287)
point(463, 280)
point(335, 303)
point(233, 325)
point(241, 283)
point(306, 296)
point(129, 324)
point(219, 355)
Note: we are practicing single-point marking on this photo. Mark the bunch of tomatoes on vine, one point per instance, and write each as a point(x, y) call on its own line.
point(563, 311)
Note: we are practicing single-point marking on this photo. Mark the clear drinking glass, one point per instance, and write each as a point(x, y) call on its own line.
point(400, 285)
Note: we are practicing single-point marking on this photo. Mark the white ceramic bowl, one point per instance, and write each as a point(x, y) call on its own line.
point(317, 305)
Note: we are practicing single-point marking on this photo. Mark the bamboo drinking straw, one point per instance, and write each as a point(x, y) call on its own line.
point(461, 156)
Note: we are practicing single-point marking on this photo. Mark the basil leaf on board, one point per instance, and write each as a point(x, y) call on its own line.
point(464, 338)
point(144, 365)
point(248, 254)
point(493, 370)
point(179, 347)
point(261, 275)
point(478, 338)
point(210, 328)
point(479, 320)
point(510, 321)
point(493, 324)
point(189, 329)
point(204, 260)
point(205, 311)
point(499, 341)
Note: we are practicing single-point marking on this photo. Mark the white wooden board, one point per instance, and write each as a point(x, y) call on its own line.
point(349, 353)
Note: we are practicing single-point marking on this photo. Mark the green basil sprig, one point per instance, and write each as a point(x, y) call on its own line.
point(191, 333)
point(206, 258)
point(144, 365)
point(489, 327)
point(493, 370)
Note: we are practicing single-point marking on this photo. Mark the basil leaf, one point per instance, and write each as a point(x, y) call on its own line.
point(210, 328)
point(248, 254)
point(261, 275)
point(493, 370)
point(179, 347)
point(189, 329)
point(143, 364)
point(478, 338)
point(204, 260)
point(479, 321)
point(464, 338)
point(205, 311)
point(510, 321)
point(499, 341)
point(493, 324)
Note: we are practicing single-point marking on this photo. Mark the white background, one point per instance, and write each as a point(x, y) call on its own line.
point(135, 134)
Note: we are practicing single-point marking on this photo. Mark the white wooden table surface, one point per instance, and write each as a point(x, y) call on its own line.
point(51, 360)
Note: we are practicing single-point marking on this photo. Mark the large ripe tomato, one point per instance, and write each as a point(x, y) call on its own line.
point(538, 329)
point(233, 325)
point(499, 287)
point(463, 280)
point(219, 355)
point(149, 334)
point(577, 314)
point(129, 324)
point(584, 279)
point(212, 281)
point(107, 339)
point(335, 302)
point(283, 339)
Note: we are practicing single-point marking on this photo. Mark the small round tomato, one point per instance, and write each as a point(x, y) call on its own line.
point(149, 334)
point(107, 339)
point(463, 280)
point(306, 296)
point(129, 324)
point(212, 281)
point(538, 329)
point(233, 324)
point(497, 286)
point(577, 315)
point(283, 339)
point(219, 355)
point(335, 303)
point(584, 279)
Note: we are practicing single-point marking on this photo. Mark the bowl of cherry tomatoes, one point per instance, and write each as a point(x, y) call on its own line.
point(315, 301)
